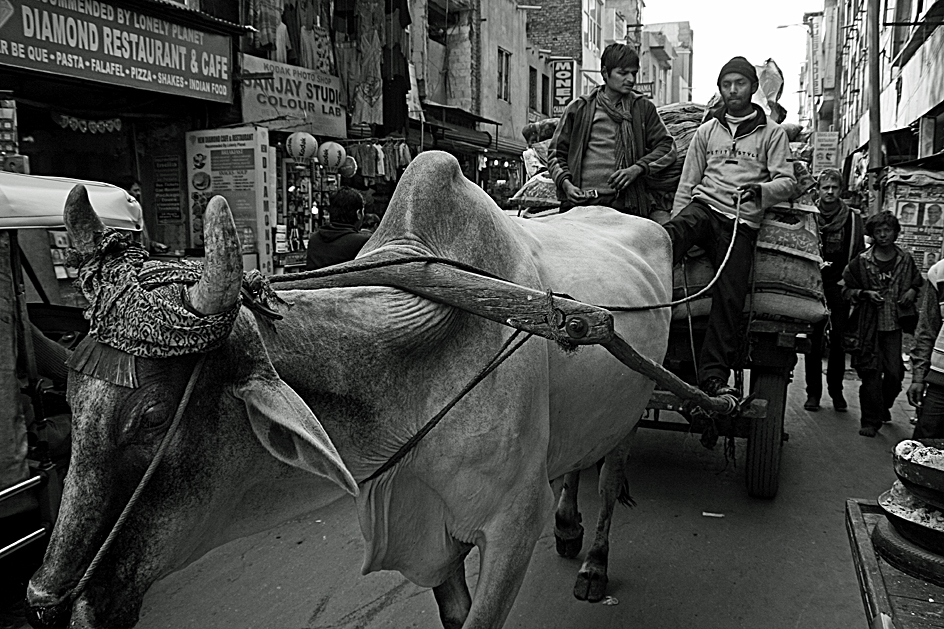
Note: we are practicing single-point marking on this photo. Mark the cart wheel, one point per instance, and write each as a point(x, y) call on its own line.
point(766, 435)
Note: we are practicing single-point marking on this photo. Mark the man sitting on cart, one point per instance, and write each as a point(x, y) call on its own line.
point(610, 141)
point(738, 165)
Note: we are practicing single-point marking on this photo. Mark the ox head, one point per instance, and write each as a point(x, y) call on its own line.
point(150, 323)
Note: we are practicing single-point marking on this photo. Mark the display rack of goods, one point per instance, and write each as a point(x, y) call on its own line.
point(911, 537)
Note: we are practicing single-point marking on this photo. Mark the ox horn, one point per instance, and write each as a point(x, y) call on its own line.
point(82, 222)
point(222, 277)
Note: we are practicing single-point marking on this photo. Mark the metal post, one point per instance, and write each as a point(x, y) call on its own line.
point(875, 114)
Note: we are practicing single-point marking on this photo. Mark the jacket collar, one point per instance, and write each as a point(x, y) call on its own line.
point(630, 99)
point(869, 255)
point(760, 120)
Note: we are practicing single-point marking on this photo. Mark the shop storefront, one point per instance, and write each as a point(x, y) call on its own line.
point(106, 91)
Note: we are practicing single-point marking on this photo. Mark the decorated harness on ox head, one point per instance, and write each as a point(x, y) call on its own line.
point(140, 308)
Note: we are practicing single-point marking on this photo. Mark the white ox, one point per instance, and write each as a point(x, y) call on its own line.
point(373, 364)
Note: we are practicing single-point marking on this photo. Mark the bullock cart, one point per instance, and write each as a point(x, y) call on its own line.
point(36, 330)
point(786, 299)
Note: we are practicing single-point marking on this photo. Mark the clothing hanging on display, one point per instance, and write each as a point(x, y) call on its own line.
point(282, 44)
point(265, 16)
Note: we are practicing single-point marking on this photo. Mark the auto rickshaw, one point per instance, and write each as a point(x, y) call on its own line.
point(38, 328)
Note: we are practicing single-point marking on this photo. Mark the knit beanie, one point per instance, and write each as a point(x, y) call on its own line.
point(741, 66)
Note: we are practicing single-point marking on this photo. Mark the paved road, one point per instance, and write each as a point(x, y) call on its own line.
point(765, 564)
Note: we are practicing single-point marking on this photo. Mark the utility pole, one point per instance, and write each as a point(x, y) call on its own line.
point(875, 114)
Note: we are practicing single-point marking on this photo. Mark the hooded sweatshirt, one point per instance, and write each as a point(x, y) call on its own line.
point(717, 163)
point(334, 244)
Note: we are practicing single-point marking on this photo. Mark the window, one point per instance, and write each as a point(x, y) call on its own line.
point(545, 95)
point(504, 70)
point(533, 88)
point(592, 24)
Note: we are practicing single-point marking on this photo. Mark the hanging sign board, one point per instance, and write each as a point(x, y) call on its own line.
point(565, 80)
point(825, 151)
point(233, 163)
point(100, 41)
point(292, 99)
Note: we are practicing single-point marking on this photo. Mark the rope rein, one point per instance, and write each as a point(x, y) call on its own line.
point(152, 467)
point(503, 354)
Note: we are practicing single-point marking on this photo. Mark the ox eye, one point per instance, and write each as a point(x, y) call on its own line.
point(155, 416)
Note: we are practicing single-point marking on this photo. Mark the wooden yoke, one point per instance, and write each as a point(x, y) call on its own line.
point(556, 318)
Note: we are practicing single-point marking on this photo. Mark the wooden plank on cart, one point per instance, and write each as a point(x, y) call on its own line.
point(892, 598)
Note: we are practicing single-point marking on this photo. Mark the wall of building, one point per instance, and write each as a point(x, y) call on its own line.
point(504, 27)
point(554, 27)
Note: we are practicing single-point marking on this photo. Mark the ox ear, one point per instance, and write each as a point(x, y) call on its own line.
point(290, 431)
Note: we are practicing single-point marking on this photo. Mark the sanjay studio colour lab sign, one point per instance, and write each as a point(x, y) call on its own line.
point(291, 98)
point(102, 42)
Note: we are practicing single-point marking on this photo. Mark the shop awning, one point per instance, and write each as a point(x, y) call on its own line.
point(188, 16)
point(440, 130)
point(442, 112)
point(28, 201)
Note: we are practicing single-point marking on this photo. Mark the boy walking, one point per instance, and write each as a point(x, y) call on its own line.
point(842, 239)
point(737, 158)
point(609, 141)
point(882, 282)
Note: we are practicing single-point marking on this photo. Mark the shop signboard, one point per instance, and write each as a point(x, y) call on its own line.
point(565, 81)
point(291, 98)
point(167, 190)
point(825, 151)
point(100, 41)
point(916, 197)
point(233, 163)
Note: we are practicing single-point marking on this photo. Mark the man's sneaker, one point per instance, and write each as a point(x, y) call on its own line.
point(839, 403)
point(713, 386)
point(868, 431)
point(811, 404)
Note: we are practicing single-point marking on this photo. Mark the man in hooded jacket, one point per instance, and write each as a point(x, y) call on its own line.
point(737, 165)
point(341, 239)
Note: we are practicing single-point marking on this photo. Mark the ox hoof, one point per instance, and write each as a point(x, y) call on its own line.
point(590, 586)
point(569, 548)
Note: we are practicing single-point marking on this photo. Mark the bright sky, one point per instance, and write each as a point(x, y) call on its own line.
point(741, 27)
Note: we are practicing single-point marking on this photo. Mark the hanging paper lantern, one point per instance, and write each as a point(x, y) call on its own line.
point(348, 167)
point(301, 146)
point(331, 155)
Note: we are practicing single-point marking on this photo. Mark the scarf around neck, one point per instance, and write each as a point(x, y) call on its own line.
point(831, 224)
point(625, 153)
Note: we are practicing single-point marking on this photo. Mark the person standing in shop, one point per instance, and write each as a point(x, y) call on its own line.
point(610, 141)
point(341, 239)
point(842, 238)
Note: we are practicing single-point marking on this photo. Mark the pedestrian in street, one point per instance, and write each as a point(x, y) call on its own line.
point(738, 165)
point(842, 238)
point(926, 392)
point(341, 239)
point(608, 142)
point(882, 283)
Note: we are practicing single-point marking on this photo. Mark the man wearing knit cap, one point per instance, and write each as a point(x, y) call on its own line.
point(737, 166)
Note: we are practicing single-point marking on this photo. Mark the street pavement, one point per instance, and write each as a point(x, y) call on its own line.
point(781, 563)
